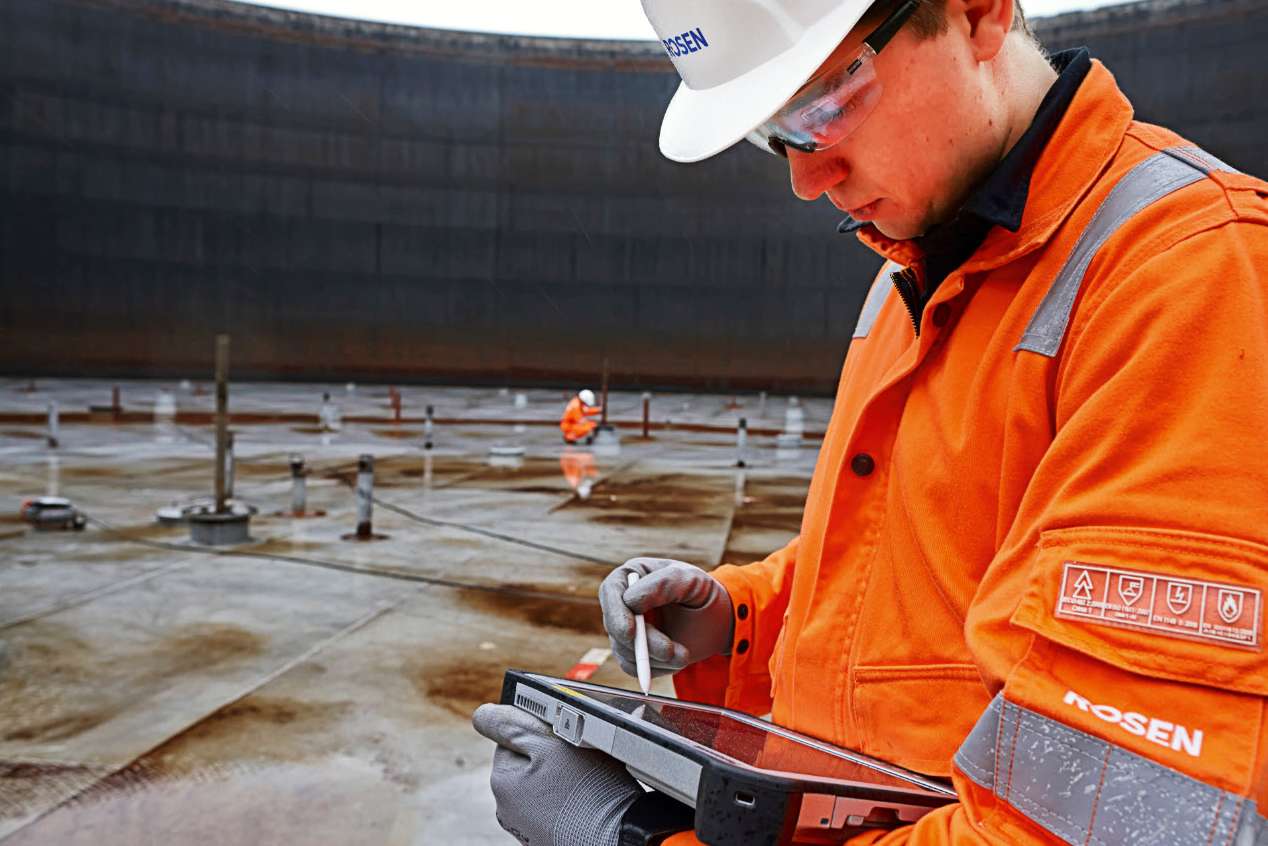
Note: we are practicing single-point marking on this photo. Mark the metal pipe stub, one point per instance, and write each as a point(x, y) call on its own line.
point(365, 501)
point(222, 418)
point(299, 491)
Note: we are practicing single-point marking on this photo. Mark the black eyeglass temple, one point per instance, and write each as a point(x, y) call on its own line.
point(883, 33)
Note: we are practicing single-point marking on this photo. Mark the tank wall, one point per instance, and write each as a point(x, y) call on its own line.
point(355, 200)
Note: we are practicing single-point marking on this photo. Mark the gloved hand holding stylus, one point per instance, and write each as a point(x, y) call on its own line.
point(689, 615)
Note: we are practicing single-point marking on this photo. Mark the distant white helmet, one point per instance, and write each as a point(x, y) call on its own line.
point(587, 396)
point(740, 60)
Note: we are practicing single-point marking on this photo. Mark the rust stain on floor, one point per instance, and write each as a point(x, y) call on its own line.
point(668, 498)
point(399, 434)
point(24, 784)
point(462, 685)
point(210, 643)
point(58, 686)
point(568, 612)
point(259, 727)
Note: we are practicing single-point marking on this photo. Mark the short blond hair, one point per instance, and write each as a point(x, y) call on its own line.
point(930, 18)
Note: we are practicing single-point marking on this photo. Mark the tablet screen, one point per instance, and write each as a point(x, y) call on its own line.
point(754, 744)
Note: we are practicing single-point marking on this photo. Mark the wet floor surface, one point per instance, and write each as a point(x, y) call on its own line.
point(302, 687)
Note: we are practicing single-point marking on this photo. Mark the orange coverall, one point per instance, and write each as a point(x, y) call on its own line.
point(576, 423)
point(970, 497)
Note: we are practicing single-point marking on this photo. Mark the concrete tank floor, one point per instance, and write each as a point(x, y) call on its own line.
point(302, 688)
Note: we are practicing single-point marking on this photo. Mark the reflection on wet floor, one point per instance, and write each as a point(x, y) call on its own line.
point(300, 688)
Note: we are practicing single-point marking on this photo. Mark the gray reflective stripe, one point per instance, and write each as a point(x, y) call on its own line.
point(1088, 791)
point(875, 299)
point(1151, 180)
point(1199, 158)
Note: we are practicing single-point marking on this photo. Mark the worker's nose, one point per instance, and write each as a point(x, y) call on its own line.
point(814, 173)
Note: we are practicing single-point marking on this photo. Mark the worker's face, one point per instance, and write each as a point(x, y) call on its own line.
point(930, 138)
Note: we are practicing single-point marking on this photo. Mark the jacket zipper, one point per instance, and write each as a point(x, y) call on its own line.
point(905, 283)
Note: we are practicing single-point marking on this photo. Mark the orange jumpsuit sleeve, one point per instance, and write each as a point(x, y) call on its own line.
point(759, 596)
point(1136, 713)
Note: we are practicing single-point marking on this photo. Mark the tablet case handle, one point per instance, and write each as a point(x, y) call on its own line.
point(731, 810)
point(653, 817)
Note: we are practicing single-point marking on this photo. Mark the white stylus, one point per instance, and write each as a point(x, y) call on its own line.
point(641, 661)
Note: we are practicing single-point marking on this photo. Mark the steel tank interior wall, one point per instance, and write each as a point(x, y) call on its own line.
point(358, 200)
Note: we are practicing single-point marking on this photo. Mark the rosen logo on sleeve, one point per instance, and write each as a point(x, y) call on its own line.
point(1169, 605)
point(1172, 735)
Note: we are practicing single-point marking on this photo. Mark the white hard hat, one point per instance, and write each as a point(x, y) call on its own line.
point(740, 60)
point(587, 396)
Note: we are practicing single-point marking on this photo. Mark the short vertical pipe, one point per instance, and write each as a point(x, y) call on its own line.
point(115, 405)
point(365, 496)
point(299, 486)
point(647, 414)
point(54, 424)
point(794, 418)
point(229, 466)
point(741, 442)
point(603, 420)
point(427, 428)
point(222, 418)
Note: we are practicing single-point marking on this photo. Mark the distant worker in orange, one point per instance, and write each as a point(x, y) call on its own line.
point(576, 423)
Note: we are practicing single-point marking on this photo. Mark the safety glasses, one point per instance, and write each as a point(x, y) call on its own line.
point(834, 104)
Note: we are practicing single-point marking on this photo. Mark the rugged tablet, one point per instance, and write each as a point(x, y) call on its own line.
point(748, 780)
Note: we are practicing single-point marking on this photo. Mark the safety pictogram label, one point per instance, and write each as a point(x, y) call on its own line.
point(1170, 605)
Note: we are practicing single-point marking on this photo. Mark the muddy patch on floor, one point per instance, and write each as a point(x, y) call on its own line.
point(399, 434)
point(26, 786)
point(56, 728)
point(210, 644)
point(45, 660)
point(567, 612)
point(262, 469)
point(274, 728)
point(660, 500)
point(58, 685)
point(461, 686)
point(82, 472)
point(287, 546)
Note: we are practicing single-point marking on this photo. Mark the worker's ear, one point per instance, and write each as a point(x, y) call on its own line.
point(985, 23)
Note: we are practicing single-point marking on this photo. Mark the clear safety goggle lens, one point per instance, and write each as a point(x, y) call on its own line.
point(825, 111)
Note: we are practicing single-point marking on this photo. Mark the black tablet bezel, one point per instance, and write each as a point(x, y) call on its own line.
point(771, 815)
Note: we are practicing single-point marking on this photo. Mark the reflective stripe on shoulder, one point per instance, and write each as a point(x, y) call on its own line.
point(875, 299)
point(1151, 180)
point(1200, 158)
point(1088, 791)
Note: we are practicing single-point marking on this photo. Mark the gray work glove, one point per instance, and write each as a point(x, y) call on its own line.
point(549, 792)
point(688, 613)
